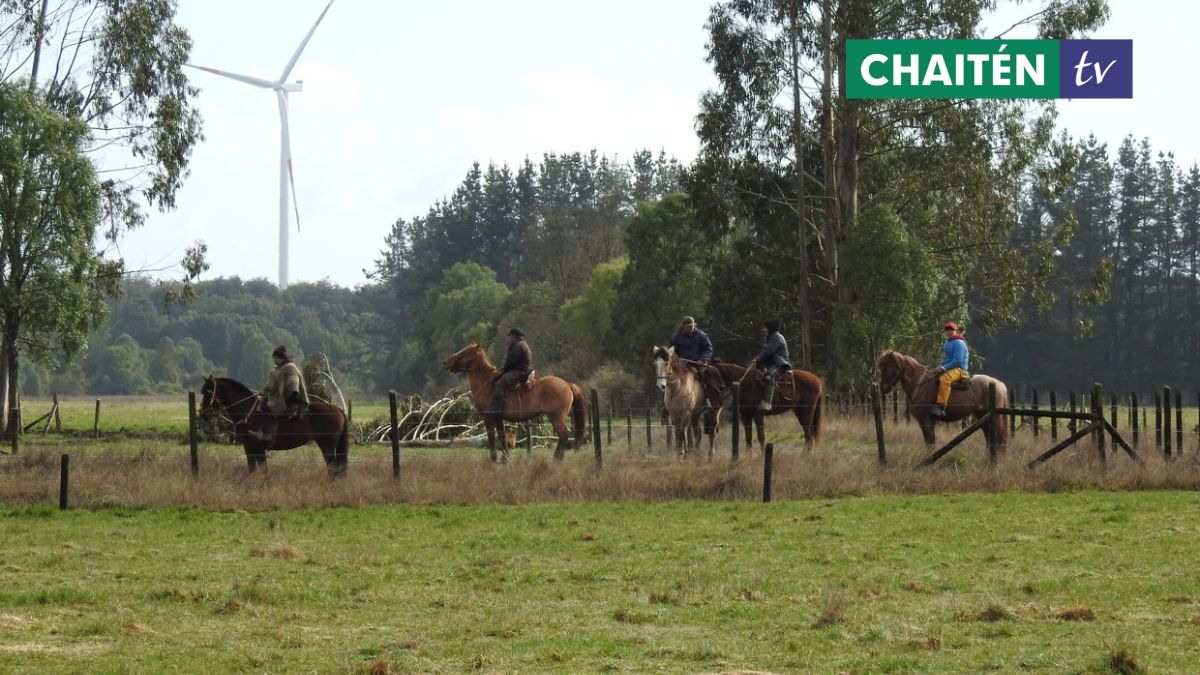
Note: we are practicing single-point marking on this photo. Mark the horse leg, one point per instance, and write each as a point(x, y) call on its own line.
point(806, 424)
point(256, 456)
point(559, 422)
point(759, 423)
point(491, 434)
point(926, 425)
point(747, 420)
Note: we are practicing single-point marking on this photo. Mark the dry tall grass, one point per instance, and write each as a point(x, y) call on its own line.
point(844, 463)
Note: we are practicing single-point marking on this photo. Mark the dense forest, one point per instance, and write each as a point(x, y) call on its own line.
point(861, 224)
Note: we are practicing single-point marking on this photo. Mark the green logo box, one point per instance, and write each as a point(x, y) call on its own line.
point(877, 69)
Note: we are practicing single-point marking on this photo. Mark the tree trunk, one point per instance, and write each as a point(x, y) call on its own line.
point(801, 198)
point(12, 329)
point(829, 208)
point(4, 383)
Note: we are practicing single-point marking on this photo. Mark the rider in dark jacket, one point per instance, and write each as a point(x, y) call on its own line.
point(691, 343)
point(517, 367)
point(773, 359)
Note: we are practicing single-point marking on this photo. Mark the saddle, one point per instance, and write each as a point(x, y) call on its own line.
point(785, 386)
point(526, 384)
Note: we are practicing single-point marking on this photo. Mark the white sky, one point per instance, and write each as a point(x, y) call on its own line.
point(399, 98)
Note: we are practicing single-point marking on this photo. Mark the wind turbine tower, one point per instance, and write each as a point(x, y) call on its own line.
point(282, 88)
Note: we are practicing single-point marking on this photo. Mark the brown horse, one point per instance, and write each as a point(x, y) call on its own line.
point(324, 423)
point(552, 396)
point(804, 398)
point(920, 387)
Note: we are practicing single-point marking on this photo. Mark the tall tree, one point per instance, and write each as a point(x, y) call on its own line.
point(52, 278)
point(952, 170)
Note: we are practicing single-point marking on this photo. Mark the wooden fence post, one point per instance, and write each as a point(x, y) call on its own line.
point(649, 435)
point(1179, 421)
point(1037, 421)
point(64, 480)
point(596, 429)
point(1166, 414)
point(608, 423)
point(1133, 418)
point(1071, 426)
point(876, 403)
point(1158, 421)
point(193, 443)
point(629, 428)
point(395, 434)
point(735, 427)
point(349, 411)
point(96, 423)
point(1098, 411)
point(1053, 420)
point(1115, 420)
point(768, 462)
point(57, 415)
point(993, 438)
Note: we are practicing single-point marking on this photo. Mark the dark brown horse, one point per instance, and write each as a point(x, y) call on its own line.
point(805, 399)
point(920, 387)
point(552, 396)
point(324, 423)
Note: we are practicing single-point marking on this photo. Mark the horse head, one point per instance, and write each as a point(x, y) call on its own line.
point(465, 360)
point(661, 358)
point(209, 401)
point(890, 370)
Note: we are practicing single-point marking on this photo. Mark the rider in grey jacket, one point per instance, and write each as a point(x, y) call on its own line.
point(773, 359)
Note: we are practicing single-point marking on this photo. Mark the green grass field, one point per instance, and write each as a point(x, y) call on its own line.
point(1007, 582)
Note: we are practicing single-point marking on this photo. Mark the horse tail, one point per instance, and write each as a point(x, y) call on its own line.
point(818, 405)
point(1001, 421)
point(578, 414)
point(342, 453)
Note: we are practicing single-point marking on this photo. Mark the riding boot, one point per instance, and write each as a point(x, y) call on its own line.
point(938, 412)
point(768, 395)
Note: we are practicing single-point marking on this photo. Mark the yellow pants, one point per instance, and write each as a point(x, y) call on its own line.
point(945, 380)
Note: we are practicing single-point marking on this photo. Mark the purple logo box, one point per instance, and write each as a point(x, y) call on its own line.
point(1095, 69)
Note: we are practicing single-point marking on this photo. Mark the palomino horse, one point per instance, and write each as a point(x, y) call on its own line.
point(684, 400)
point(324, 423)
point(552, 396)
point(920, 386)
point(805, 399)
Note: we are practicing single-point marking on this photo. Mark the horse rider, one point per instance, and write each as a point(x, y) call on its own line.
point(773, 359)
point(517, 367)
point(285, 394)
point(693, 346)
point(952, 368)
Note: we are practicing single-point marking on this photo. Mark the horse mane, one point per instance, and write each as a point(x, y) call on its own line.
point(242, 390)
point(901, 359)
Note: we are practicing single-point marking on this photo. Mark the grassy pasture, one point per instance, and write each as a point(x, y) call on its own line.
point(1006, 582)
point(651, 564)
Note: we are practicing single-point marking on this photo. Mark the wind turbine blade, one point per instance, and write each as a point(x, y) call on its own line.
point(256, 81)
point(287, 70)
point(286, 136)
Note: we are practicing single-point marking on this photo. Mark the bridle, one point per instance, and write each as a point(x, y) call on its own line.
point(216, 406)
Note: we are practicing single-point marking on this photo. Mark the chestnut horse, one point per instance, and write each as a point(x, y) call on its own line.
point(805, 399)
point(920, 387)
point(552, 396)
point(683, 398)
point(324, 423)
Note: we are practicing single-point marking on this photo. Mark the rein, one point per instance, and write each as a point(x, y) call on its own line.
point(221, 408)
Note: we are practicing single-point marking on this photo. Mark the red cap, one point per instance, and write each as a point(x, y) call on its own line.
point(950, 325)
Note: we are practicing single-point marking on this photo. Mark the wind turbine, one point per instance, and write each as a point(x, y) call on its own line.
point(282, 89)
